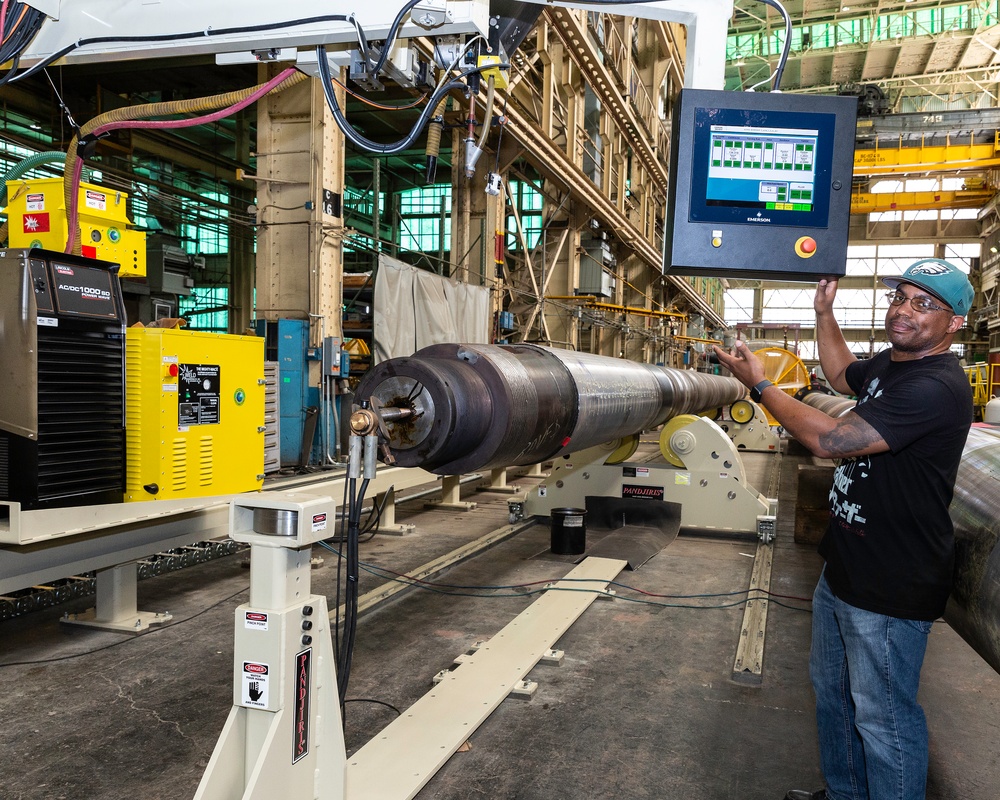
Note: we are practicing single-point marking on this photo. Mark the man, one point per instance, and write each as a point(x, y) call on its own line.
point(889, 547)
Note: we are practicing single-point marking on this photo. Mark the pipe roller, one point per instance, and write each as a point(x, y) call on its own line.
point(477, 406)
point(974, 606)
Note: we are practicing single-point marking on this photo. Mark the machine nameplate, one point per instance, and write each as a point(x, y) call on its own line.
point(255, 679)
point(198, 395)
point(300, 724)
point(652, 492)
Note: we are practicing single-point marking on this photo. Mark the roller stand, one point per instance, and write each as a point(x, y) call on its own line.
point(284, 736)
point(708, 481)
point(749, 429)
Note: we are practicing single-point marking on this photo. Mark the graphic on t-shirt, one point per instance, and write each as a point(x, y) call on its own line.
point(871, 391)
point(849, 471)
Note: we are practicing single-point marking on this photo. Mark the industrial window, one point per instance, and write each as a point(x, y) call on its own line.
point(528, 202)
point(864, 30)
point(206, 309)
point(206, 232)
point(359, 212)
point(425, 219)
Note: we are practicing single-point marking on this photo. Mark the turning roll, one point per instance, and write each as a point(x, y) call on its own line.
point(485, 406)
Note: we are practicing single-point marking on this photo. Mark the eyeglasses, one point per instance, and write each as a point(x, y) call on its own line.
point(919, 303)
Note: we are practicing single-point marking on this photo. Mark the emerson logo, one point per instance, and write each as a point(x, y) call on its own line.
point(758, 218)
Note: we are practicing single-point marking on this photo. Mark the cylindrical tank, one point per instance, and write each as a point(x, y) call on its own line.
point(483, 406)
point(974, 607)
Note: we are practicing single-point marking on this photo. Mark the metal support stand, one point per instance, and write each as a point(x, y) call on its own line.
point(283, 737)
point(498, 483)
point(387, 523)
point(451, 495)
point(116, 608)
point(755, 435)
point(711, 486)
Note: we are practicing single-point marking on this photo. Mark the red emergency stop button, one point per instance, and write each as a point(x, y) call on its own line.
point(805, 247)
point(172, 370)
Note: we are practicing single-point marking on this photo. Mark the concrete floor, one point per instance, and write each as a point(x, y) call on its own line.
point(642, 707)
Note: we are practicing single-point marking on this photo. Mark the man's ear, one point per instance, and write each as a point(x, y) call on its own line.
point(955, 323)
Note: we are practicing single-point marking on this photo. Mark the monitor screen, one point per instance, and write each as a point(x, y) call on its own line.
point(742, 167)
point(760, 183)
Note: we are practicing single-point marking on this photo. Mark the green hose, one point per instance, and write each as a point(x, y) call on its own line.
point(26, 165)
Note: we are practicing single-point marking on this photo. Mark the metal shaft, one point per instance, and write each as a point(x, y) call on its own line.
point(486, 406)
point(974, 606)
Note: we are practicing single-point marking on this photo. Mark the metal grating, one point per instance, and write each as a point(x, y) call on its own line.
point(81, 436)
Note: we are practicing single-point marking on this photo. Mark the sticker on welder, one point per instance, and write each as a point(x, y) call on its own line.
point(255, 620)
point(47, 322)
point(96, 200)
point(682, 479)
point(319, 522)
point(642, 472)
point(303, 699)
point(255, 678)
point(170, 387)
point(34, 202)
point(198, 394)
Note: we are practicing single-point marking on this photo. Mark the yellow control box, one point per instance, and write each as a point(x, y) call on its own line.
point(36, 211)
point(194, 413)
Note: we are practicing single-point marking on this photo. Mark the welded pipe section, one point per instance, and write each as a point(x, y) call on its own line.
point(974, 606)
point(833, 405)
point(478, 406)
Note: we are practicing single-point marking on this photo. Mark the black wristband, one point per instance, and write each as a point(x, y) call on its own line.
point(756, 393)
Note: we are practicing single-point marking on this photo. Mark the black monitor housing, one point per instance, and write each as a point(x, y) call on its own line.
point(760, 185)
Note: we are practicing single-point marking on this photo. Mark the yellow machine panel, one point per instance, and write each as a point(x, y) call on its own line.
point(194, 413)
point(36, 211)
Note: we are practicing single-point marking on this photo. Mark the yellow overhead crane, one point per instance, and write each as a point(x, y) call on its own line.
point(896, 159)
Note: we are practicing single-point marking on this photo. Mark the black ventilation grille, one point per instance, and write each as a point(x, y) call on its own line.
point(4, 467)
point(81, 438)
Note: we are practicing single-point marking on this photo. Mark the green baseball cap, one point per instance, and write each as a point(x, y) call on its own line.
point(939, 278)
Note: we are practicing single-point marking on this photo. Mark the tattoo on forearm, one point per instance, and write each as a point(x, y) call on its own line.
point(851, 435)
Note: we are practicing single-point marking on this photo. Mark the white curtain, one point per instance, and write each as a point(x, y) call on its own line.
point(414, 308)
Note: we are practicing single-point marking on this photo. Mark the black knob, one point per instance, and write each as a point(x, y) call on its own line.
point(307, 625)
point(307, 611)
point(307, 639)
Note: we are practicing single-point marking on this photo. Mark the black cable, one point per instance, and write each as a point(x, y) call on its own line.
point(787, 48)
point(390, 37)
point(353, 582)
point(151, 632)
point(403, 144)
point(373, 700)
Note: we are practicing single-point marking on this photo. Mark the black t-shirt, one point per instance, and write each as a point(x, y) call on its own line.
point(889, 547)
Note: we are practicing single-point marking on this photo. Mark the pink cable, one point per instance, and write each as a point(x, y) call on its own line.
point(3, 18)
point(72, 211)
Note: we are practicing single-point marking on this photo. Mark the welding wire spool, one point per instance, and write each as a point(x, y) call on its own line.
point(622, 449)
point(275, 521)
point(667, 445)
point(712, 413)
point(742, 411)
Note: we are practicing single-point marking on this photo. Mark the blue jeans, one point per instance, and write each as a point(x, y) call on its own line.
point(865, 668)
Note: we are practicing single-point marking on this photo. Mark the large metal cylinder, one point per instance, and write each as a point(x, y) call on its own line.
point(484, 406)
point(974, 606)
